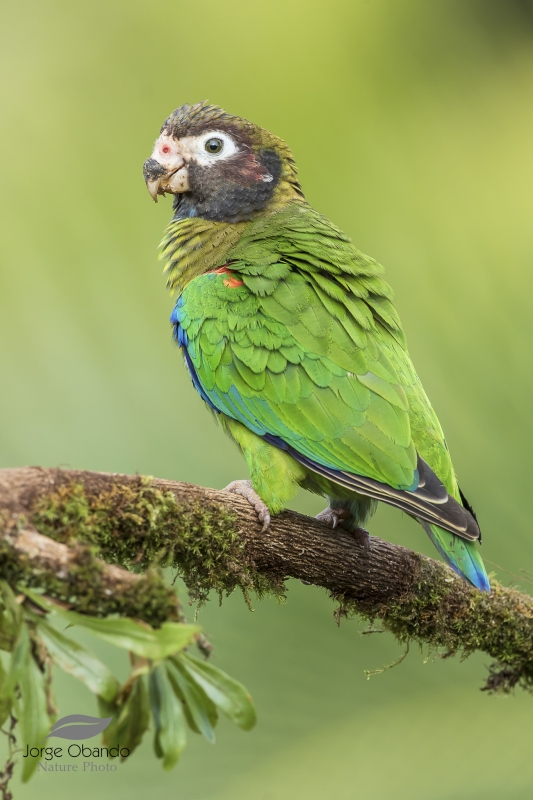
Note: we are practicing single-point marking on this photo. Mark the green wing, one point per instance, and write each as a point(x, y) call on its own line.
point(254, 369)
point(339, 307)
point(316, 361)
point(295, 337)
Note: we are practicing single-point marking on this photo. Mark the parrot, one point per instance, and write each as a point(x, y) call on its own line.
point(292, 340)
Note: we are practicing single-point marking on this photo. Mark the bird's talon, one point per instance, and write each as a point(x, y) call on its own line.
point(333, 516)
point(264, 517)
point(362, 537)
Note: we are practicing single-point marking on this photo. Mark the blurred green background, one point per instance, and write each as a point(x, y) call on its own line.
point(412, 124)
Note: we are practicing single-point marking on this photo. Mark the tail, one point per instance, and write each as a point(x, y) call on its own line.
point(461, 555)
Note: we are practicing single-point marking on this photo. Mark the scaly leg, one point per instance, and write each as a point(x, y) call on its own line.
point(275, 474)
point(245, 489)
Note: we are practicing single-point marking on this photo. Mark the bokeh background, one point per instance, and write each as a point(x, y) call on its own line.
point(412, 124)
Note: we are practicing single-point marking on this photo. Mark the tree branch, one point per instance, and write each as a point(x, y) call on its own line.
point(77, 535)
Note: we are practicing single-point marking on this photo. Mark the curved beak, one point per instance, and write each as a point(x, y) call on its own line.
point(159, 180)
point(154, 173)
point(154, 187)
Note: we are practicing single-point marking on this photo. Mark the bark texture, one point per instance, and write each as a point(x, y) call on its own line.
point(96, 541)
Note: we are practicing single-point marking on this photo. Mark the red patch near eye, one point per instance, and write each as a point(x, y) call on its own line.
point(251, 168)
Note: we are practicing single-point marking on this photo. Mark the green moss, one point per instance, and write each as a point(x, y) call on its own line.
point(446, 615)
point(83, 585)
point(137, 526)
point(428, 612)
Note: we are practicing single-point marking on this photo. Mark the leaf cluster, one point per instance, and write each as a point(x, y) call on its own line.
point(168, 689)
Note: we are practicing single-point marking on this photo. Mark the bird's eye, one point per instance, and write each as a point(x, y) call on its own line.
point(214, 145)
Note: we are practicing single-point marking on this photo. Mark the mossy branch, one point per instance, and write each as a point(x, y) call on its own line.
point(98, 541)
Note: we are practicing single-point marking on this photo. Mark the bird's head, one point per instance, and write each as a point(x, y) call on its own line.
point(218, 166)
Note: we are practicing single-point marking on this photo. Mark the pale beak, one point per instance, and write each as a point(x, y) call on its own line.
point(154, 188)
point(159, 180)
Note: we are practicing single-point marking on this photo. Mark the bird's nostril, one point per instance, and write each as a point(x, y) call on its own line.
point(152, 170)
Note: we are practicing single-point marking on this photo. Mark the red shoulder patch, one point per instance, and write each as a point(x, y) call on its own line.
point(232, 282)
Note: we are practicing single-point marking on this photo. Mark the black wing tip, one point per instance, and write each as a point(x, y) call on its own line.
point(471, 511)
point(433, 504)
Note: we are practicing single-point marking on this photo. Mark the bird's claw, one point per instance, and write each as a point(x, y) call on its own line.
point(244, 488)
point(336, 516)
point(362, 537)
point(332, 516)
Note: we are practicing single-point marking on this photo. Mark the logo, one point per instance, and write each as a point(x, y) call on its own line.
point(78, 726)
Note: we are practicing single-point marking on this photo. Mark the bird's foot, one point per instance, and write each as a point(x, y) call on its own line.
point(244, 488)
point(334, 517)
point(362, 537)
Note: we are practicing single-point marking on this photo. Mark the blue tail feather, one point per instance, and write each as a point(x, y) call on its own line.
point(462, 556)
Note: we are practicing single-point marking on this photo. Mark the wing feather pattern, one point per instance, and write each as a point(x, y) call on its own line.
point(326, 387)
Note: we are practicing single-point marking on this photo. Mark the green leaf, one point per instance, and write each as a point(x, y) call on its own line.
point(10, 616)
point(153, 643)
point(228, 694)
point(170, 733)
point(197, 706)
point(19, 661)
point(130, 719)
point(34, 720)
point(5, 702)
point(79, 661)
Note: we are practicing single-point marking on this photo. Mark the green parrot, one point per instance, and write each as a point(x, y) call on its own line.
point(291, 338)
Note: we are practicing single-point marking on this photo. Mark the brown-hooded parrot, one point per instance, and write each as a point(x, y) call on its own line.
point(291, 338)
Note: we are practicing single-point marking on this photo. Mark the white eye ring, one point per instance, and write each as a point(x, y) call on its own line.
point(202, 156)
point(228, 147)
